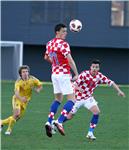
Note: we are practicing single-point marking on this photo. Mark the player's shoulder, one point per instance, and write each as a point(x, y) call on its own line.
point(62, 42)
point(65, 44)
point(58, 40)
point(100, 74)
point(84, 72)
point(31, 77)
point(18, 81)
point(49, 42)
point(34, 79)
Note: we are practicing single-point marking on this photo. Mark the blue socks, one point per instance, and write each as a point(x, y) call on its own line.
point(66, 109)
point(53, 110)
point(93, 122)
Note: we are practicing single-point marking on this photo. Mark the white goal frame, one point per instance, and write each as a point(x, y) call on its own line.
point(14, 44)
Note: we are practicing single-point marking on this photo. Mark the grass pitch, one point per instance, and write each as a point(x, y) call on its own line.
point(29, 133)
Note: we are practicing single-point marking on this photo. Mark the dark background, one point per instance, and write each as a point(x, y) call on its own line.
point(33, 23)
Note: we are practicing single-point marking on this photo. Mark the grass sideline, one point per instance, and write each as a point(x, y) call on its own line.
point(29, 134)
point(50, 83)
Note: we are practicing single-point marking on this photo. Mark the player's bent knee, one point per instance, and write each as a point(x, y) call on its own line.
point(97, 112)
point(17, 116)
point(71, 97)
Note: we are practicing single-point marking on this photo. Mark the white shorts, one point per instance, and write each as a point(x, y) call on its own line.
point(62, 84)
point(88, 103)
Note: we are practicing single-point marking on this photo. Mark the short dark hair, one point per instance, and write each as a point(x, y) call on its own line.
point(59, 26)
point(96, 61)
point(23, 67)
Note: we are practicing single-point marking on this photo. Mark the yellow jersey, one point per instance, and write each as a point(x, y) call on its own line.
point(24, 87)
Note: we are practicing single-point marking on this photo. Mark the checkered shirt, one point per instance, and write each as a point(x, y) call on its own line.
point(57, 49)
point(87, 83)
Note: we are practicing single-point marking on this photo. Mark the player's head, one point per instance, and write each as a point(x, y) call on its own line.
point(95, 67)
point(24, 71)
point(61, 31)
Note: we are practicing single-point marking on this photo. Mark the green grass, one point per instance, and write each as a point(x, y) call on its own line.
point(29, 134)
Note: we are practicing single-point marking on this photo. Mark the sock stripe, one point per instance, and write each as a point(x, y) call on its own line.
point(64, 112)
point(92, 125)
point(51, 115)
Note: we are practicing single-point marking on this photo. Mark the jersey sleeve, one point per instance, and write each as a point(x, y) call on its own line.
point(37, 83)
point(47, 47)
point(105, 80)
point(65, 49)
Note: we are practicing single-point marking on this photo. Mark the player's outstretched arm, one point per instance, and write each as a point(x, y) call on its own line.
point(116, 87)
point(47, 58)
point(73, 66)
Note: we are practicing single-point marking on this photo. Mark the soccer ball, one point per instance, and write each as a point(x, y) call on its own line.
point(75, 25)
point(54, 128)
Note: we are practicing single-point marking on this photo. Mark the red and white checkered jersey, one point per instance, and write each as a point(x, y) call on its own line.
point(87, 83)
point(58, 49)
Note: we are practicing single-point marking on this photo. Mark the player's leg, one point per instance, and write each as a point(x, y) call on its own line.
point(15, 116)
point(95, 110)
point(93, 107)
point(67, 89)
point(66, 108)
point(74, 110)
point(22, 111)
point(7, 120)
point(18, 112)
point(63, 116)
point(11, 123)
point(54, 106)
point(53, 110)
point(93, 123)
point(58, 98)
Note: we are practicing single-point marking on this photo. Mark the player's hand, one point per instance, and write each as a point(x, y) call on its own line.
point(75, 78)
point(120, 93)
point(38, 89)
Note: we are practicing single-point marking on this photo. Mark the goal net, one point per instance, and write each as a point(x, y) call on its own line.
point(11, 59)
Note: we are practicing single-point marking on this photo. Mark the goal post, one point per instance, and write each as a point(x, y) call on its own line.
point(11, 59)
